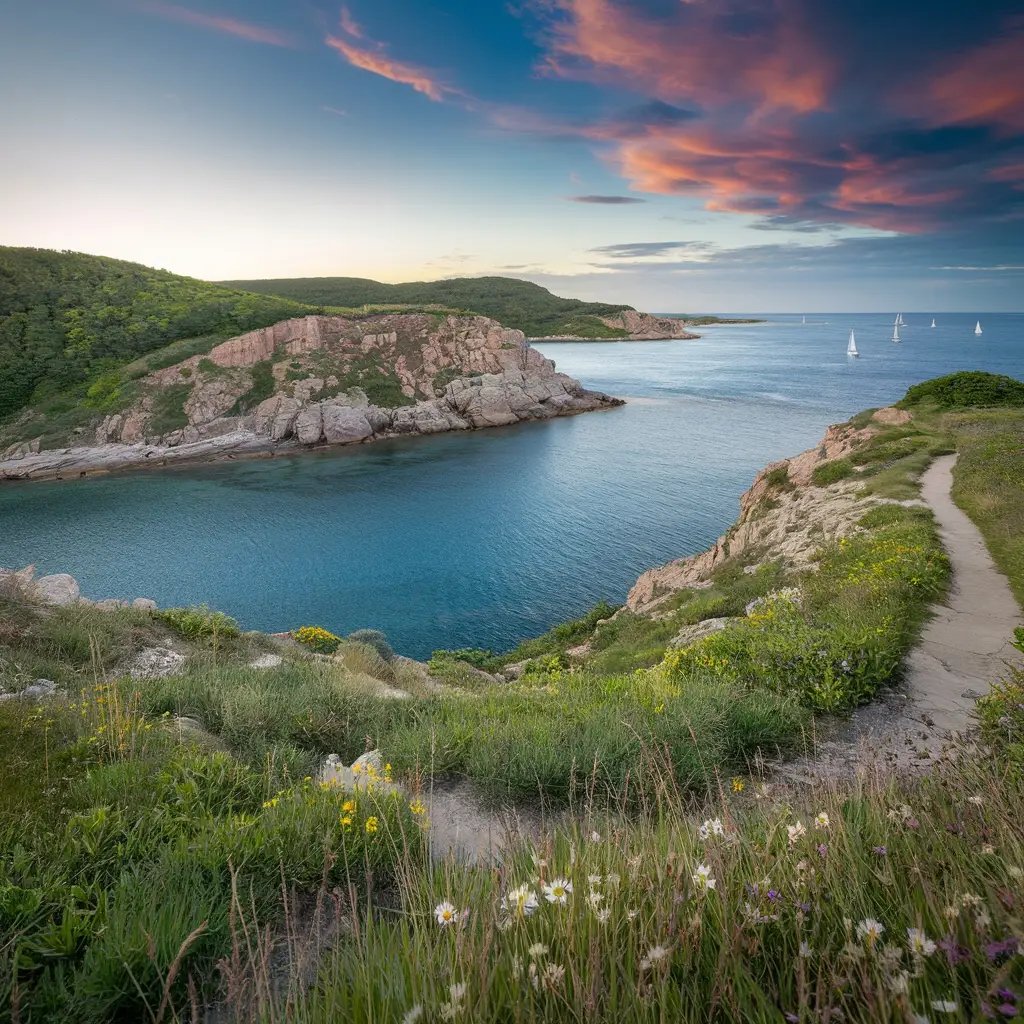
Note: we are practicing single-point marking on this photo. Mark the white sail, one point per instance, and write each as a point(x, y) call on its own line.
point(977, 327)
point(899, 320)
point(933, 321)
point(851, 348)
point(896, 332)
point(804, 320)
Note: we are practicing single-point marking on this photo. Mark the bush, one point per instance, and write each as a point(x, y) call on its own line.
point(199, 622)
point(832, 472)
point(318, 639)
point(373, 638)
point(169, 409)
point(966, 390)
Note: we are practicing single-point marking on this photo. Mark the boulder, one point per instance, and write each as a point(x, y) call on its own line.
point(59, 589)
point(266, 661)
point(144, 604)
point(111, 604)
point(41, 689)
point(156, 663)
point(309, 425)
point(691, 634)
point(891, 416)
point(344, 425)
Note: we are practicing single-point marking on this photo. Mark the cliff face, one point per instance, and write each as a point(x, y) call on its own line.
point(782, 515)
point(644, 327)
point(324, 380)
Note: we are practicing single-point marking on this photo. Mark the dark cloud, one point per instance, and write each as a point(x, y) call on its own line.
point(605, 200)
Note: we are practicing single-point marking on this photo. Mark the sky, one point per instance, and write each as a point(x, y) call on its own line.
point(677, 155)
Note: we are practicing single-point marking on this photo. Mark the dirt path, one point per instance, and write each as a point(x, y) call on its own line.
point(963, 648)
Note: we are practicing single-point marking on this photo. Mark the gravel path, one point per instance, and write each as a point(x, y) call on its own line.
point(963, 648)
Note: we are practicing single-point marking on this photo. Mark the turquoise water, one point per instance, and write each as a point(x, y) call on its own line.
point(482, 539)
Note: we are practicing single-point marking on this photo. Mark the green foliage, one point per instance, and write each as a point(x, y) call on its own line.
point(373, 638)
point(518, 304)
point(779, 478)
point(199, 622)
point(169, 409)
point(471, 655)
point(263, 387)
point(831, 472)
point(64, 317)
point(965, 390)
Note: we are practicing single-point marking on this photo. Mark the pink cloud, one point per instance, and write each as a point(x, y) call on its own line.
point(231, 26)
point(379, 63)
point(349, 24)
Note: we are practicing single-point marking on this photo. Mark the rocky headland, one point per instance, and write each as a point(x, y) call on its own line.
point(630, 325)
point(315, 381)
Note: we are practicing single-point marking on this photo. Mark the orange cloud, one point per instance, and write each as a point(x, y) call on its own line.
point(379, 63)
point(232, 26)
point(349, 24)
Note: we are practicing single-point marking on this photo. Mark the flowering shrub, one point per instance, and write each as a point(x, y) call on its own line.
point(317, 639)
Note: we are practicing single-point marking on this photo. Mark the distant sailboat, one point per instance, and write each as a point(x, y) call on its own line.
point(900, 320)
point(933, 321)
point(977, 327)
point(896, 332)
point(804, 320)
point(851, 348)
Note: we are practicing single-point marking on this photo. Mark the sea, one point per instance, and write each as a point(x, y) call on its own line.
point(483, 538)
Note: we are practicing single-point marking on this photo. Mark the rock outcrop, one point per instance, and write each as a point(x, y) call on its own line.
point(792, 525)
point(639, 327)
point(322, 380)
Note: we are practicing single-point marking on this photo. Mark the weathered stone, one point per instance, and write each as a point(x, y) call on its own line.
point(144, 604)
point(266, 661)
point(41, 689)
point(156, 663)
point(891, 416)
point(59, 589)
point(344, 425)
point(111, 604)
point(309, 425)
point(691, 634)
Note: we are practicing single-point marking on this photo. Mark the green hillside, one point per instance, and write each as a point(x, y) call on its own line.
point(520, 304)
point(68, 319)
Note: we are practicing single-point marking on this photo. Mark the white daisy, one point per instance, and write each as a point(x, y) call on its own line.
point(520, 902)
point(919, 943)
point(821, 820)
point(445, 913)
point(413, 1014)
point(558, 891)
point(945, 1005)
point(870, 929)
point(537, 950)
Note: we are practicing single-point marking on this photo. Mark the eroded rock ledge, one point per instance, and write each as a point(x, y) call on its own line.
point(437, 374)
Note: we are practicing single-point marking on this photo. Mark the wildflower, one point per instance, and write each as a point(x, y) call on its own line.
point(595, 837)
point(603, 915)
point(955, 953)
point(371, 824)
point(348, 806)
point(521, 901)
point(871, 930)
point(445, 913)
point(346, 820)
point(1000, 950)
point(805, 950)
point(413, 1014)
point(449, 1011)
point(594, 879)
point(654, 956)
point(594, 898)
point(821, 820)
point(880, 850)
point(613, 880)
point(796, 833)
point(919, 943)
point(632, 914)
point(982, 919)
point(988, 849)
point(558, 891)
point(553, 975)
point(457, 992)
point(822, 849)
point(899, 983)
point(945, 1005)
point(978, 802)
point(417, 807)
point(711, 827)
point(737, 785)
point(537, 950)
point(702, 877)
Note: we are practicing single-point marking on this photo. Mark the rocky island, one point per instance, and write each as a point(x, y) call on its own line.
point(318, 380)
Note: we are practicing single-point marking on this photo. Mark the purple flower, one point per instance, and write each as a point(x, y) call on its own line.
point(997, 952)
point(792, 1018)
point(1004, 993)
point(955, 953)
point(987, 1011)
point(1008, 1010)
point(912, 823)
point(880, 850)
point(773, 895)
point(823, 849)
point(805, 907)
point(751, 890)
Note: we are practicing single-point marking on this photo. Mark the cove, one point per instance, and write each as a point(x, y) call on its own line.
point(483, 538)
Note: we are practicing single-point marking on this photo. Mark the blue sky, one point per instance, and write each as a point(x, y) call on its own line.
point(713, 155)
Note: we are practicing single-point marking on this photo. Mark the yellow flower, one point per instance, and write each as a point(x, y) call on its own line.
point(737, 785)
point(417, 807)
point(348, 806)
point(347, 820)
point(270, 803)
point(371, 825)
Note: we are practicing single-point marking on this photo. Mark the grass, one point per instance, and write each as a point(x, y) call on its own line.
point(169, 409)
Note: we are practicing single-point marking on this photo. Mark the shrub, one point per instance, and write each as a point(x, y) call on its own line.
point(831, 472)
point(318, 639)
point(779, 477)
point(373, 638)
point(169, 409)
point(198, 622)
point(471, 655)
point(263, 387)
point(966, 390)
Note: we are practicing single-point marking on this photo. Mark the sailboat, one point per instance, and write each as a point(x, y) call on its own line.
point(977, 327)
point(900, 320)
point(804, 320)
point(896, 332)
point(851, 348)
point(933, 321)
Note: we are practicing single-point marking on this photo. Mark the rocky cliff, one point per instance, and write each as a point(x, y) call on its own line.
point(321, 380)
point(638, 327)
point(782, 515)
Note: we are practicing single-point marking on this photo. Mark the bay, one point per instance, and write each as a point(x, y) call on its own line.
point(484, 538)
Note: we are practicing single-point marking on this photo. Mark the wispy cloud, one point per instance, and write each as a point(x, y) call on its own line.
point(334, 110)
point(605, 200)
point(378, 62)
point(349, 24)
point(231, 26)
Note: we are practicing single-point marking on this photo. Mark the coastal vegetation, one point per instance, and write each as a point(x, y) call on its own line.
point(519, 304)
point(165, 844)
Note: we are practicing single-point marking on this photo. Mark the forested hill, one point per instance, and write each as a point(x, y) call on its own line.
point(67, 318)
point(519, 304)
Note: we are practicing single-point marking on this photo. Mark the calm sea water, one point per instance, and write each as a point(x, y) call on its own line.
point(482, 539)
